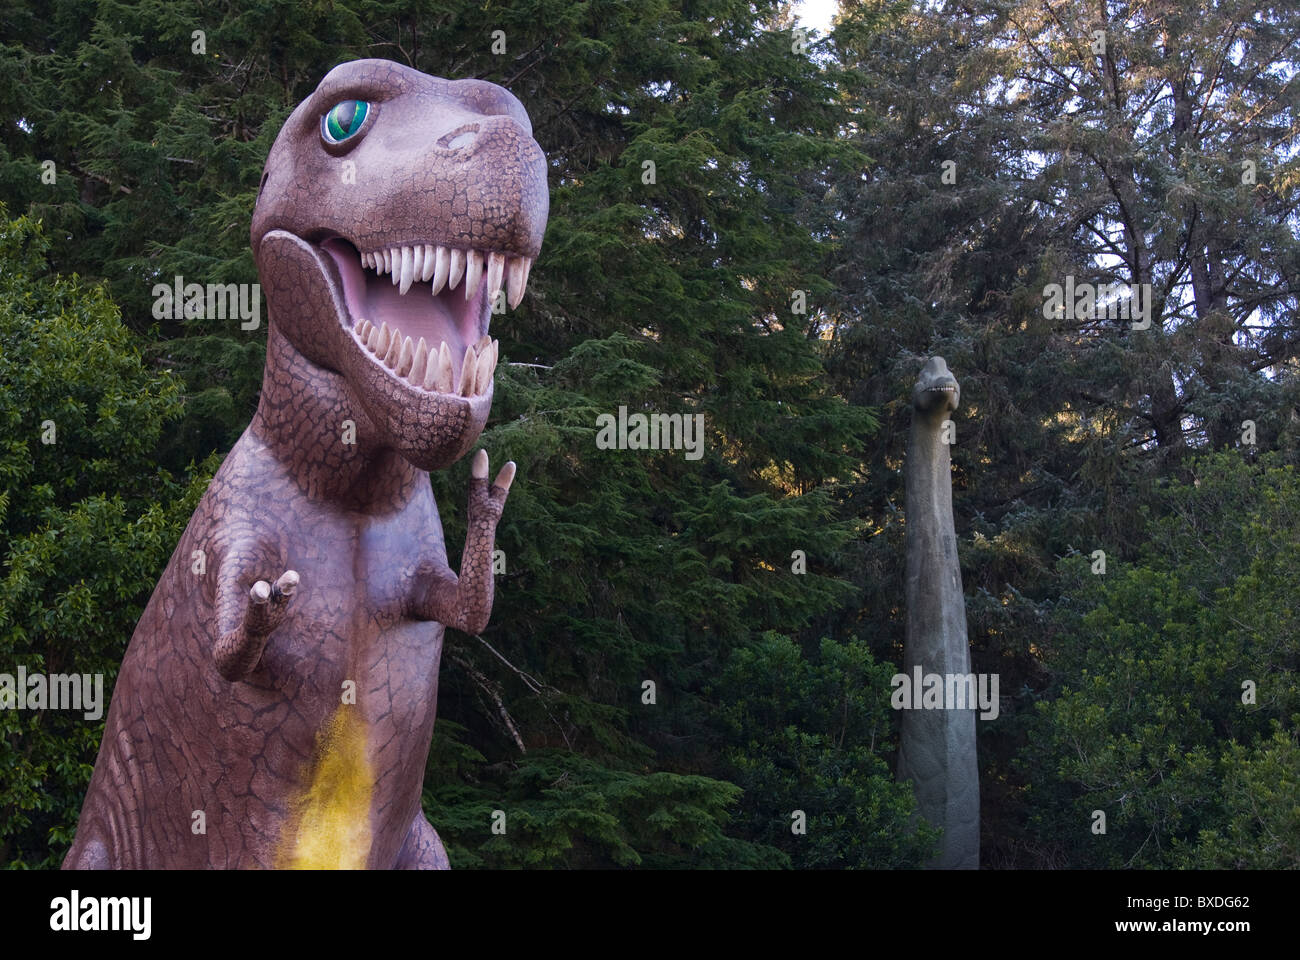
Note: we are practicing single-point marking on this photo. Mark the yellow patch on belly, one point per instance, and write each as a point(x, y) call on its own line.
point(330, 826)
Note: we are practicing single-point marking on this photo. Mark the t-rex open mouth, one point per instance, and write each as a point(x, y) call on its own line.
point(432, 338)
point(397, 212)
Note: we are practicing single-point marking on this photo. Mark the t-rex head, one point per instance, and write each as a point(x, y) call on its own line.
point(936, 393)
point(393, 208)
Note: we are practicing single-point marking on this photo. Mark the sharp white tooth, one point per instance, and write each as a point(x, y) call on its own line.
point(473, 272)
point(438, 376)
point(496, 353)
point(482, 343)
point(466, 384)
point(405, 275)
point(385, 336)
point(483, 374)
point(456, 270)
point(420, 364)
point(388, 262)
point(431, 372)
point(397, 265)
point(427, 270)
point(394, 350)
point(441, 267)
point(516, 278)
point(363, 330)
point(372, 339)
point(357, 324)
point(405, 358)
point(417, 262)
point(496, 268)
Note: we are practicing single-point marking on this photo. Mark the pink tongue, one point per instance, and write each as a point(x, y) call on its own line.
point(418, 314)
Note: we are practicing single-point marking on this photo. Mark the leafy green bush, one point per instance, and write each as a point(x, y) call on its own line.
point(807, 734)
point(1153, 721)
point(87, 523)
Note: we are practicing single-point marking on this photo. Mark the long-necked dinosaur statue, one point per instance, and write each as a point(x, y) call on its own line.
point(276, 703)
point(937, 747)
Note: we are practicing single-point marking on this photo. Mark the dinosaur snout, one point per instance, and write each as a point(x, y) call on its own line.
point(462, 138)
point(937, 389)
point(476, 182)
point(502, 134)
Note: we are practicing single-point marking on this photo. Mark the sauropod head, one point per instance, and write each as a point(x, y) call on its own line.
point(936, 392)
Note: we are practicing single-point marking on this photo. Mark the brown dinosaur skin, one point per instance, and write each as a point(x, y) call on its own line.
point(324, 562)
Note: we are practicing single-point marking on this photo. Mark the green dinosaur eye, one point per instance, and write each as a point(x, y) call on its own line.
point(343, 120)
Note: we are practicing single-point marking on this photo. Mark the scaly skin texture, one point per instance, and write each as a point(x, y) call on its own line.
point(276, 703)
point(937, 747)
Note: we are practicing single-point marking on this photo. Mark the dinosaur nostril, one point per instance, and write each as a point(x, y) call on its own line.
point(460, 137)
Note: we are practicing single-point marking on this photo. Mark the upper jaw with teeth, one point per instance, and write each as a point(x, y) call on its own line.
point(446, 266)
point(429, 369)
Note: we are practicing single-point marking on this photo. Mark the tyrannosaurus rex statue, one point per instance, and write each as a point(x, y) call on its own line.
point(276, 703)
point(937, 747)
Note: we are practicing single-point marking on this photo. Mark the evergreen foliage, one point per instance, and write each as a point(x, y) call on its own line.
point(87, 522)
point(918, 178)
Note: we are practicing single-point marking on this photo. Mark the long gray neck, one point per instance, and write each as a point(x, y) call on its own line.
point(937, 747)
point(936, 609)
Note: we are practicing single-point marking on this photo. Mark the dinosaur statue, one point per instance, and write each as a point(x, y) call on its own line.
point(276, 704)
point(937, 747)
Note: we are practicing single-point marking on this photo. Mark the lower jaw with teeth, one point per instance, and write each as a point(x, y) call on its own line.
point(427, 368)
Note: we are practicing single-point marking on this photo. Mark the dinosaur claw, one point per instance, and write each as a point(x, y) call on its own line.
point(261, 592)
point(287, 583)
point(506, 476)
point(479, 468)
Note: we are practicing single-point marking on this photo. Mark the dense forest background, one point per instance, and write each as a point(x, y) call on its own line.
point(920, 174)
